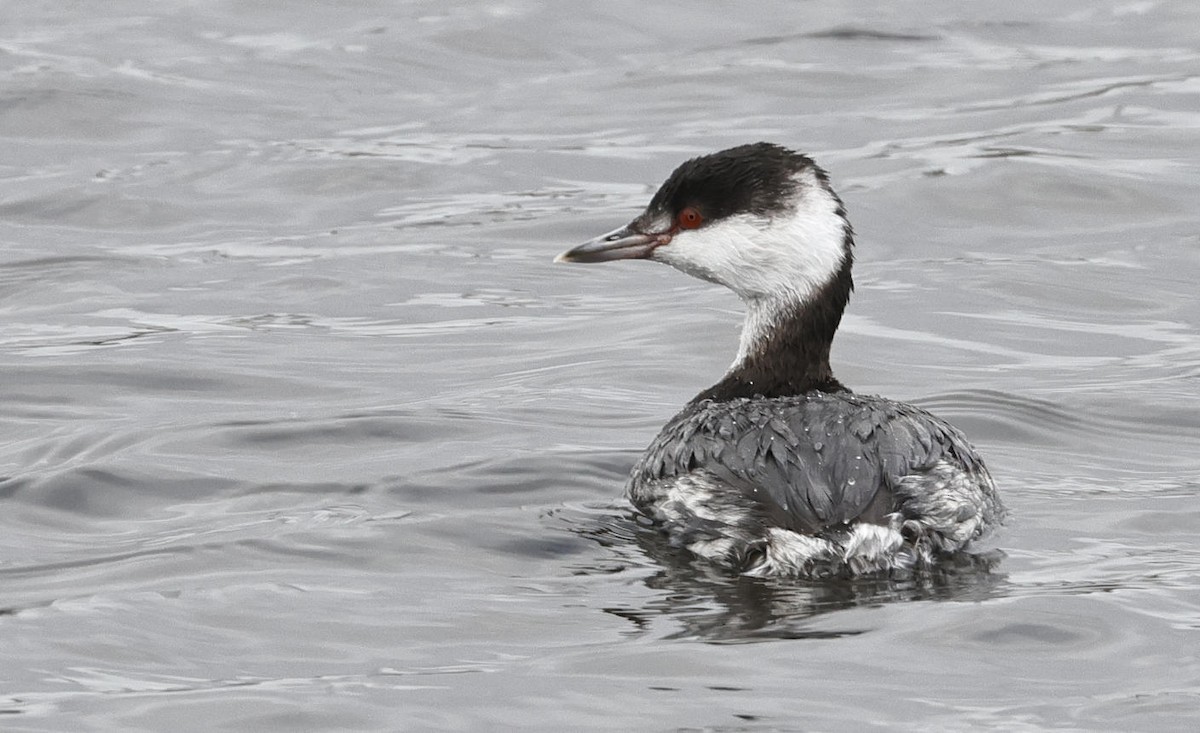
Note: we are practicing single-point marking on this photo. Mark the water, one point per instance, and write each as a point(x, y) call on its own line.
point(302, 430)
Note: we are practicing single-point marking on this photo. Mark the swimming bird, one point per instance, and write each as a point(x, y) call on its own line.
point(779, 469)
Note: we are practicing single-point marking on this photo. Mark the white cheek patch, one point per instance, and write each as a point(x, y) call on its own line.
point(787, 257)
point(711, 253)
point(772, 263)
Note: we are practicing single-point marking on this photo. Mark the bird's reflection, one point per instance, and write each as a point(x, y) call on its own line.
point(709, 604)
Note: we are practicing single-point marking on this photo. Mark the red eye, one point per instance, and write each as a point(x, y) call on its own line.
point(689, 218)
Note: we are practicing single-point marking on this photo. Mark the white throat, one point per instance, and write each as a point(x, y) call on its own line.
point(761, 321)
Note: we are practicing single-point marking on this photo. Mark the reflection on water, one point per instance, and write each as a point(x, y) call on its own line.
point(709, 604)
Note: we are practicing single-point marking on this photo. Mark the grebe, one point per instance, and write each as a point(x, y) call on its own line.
point(778, 469)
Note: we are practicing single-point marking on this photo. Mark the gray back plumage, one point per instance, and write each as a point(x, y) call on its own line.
point(811, 461)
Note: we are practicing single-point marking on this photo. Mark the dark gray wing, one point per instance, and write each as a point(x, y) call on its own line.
point(812, 461)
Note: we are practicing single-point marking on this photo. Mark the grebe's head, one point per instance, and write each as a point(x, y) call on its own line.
point(759, 219)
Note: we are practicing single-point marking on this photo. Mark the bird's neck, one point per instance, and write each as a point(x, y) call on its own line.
point(785, 343)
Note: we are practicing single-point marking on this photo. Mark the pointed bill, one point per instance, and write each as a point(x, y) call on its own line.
point(619, 244)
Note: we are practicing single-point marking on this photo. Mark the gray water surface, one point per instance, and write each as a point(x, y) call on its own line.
point(301, 429)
